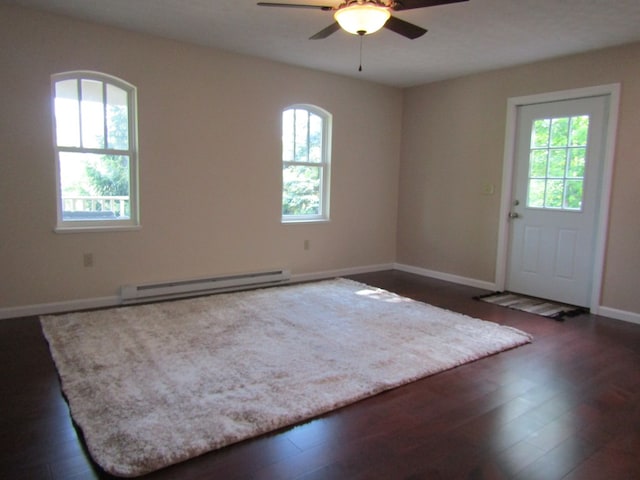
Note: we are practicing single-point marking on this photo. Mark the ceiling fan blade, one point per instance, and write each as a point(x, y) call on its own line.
point(325, 32)
point(411, 4)
point(295, 5)
point(405, 29)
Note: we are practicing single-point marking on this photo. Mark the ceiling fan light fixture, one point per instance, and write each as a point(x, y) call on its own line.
point(362, 19)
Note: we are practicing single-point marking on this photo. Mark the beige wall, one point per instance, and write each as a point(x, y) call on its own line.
point(210, 170)
point(452, 145)
point(209, 129)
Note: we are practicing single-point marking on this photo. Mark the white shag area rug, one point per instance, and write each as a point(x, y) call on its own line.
point(153, 385)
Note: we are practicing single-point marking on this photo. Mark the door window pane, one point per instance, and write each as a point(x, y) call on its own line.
point(557, 161)
point(579, 130)
point(576, 162)
point(559, 132)
point(553, 194)
point(573, 195)
point(540, 133)
point(536, 193)
point(538, 163)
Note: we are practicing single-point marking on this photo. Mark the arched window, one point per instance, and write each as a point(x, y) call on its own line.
point(96, 151)
point(306, 154)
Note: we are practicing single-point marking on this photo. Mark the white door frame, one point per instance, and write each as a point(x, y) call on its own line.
point(613, 92)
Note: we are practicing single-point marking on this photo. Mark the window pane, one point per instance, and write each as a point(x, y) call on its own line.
point(579, 130)
point(560, 132)
point(288, 140)
point(94, 187)
point(573, 195)
point(117, 118)
point(315, 139)
point(576, 162)
point(67, 113)
point(554, 194)
point(92, 114)
point(538, 163)
point(557, 162)
point(535, 197)
point(540, 133)
point(301, 136)
point(301, 190)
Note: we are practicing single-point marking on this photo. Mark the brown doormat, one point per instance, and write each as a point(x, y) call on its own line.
point(537, 306)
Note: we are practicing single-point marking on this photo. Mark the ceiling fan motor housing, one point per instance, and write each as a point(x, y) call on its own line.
point(362, 17)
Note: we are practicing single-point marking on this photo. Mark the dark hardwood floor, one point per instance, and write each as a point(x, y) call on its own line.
point(566, 406)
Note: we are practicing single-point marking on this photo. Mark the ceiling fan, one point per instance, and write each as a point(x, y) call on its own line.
point(363, 17)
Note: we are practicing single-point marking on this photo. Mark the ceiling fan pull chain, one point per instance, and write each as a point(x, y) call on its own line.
point(361, 40)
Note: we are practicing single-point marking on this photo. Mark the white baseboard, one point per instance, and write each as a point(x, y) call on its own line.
point(58, 307)
point(447, 277)
point(306, 277)
point(84, 304)
point(619, 314)
point(609, 312)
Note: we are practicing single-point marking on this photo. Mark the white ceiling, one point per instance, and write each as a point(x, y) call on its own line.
point(463, 38)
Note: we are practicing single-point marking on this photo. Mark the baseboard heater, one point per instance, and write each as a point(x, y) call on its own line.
point(202, 286)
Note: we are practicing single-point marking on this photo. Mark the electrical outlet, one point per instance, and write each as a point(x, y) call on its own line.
point(87, 259)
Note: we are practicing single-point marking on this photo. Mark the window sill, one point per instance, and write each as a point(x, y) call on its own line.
point(304, 221)
point(96, 228)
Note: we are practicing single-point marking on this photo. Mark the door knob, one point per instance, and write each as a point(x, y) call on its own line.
point(514, 215)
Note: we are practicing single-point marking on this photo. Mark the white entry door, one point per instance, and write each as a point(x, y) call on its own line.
point(555, 202)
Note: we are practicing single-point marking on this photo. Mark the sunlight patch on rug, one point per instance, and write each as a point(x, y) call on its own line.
point(153, 385)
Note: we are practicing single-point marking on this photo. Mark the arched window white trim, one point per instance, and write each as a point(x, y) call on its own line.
point(306, 161)
point(96, 151)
